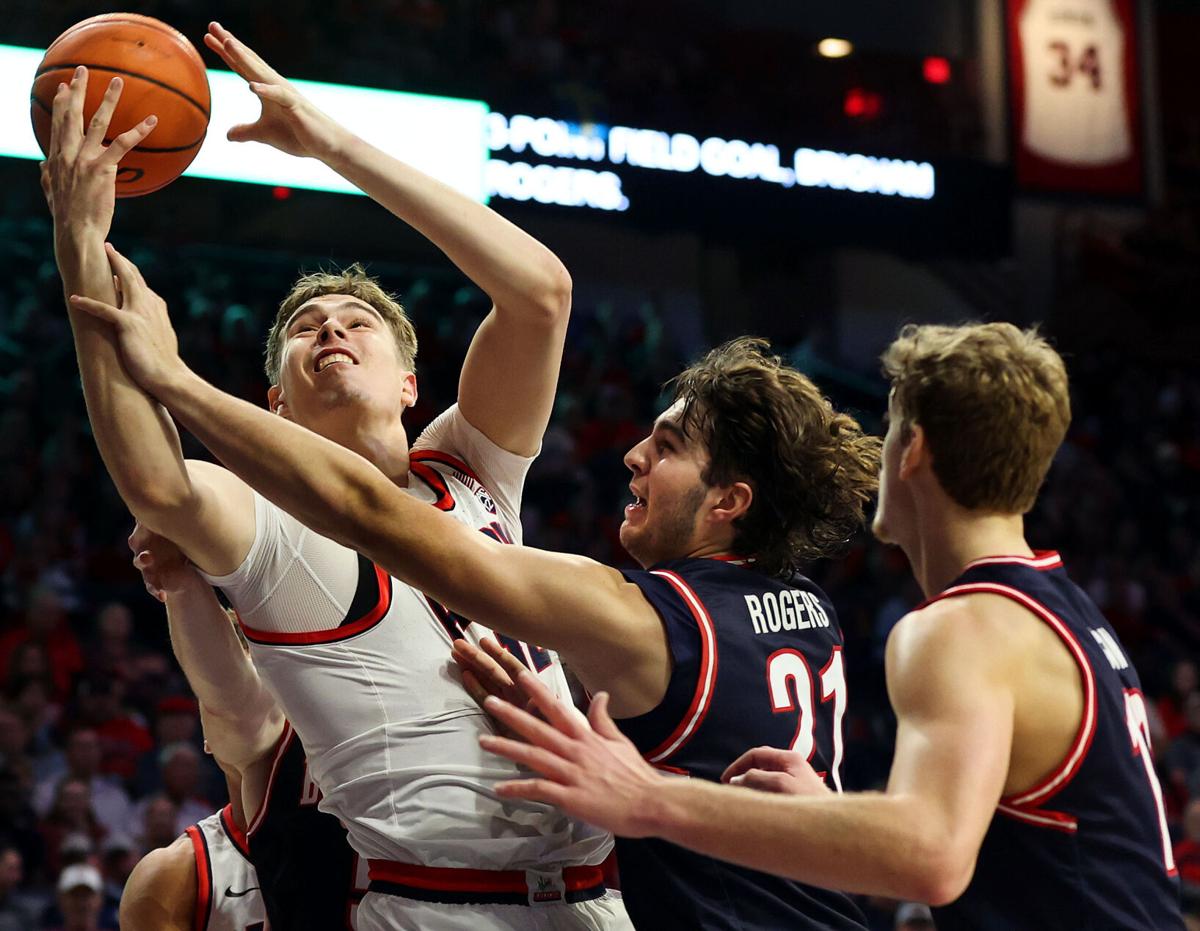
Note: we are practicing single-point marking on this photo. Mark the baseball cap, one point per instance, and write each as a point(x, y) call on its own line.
point(913, 911)
point(81, 874)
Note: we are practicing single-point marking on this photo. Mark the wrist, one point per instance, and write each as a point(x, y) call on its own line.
point(173, 383)
point(338, 145)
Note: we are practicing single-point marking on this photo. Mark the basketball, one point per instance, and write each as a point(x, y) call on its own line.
point(163, 74)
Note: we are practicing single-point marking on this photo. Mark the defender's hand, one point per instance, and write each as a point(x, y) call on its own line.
point(164, 568)
point(490, 669)
point(773, 770)
point(289, 122)
point(590, 769)
point(79, 176)
point(148, 344)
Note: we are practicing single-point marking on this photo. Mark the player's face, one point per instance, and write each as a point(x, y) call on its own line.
point(338, 351)
point(663, 521)
point(891, 513)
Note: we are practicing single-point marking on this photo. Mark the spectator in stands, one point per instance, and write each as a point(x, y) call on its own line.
point(158, 823)
point(1184, 681)
point(44, 624)
point(80, 890)
point(112, 652)
point(123, 738)
point(70, 813)
point(110, 802)
point(118, 856)
point(1182, 758)
point(1187, 851)
point(17, 913)
point(14, 739)
point(19, 822)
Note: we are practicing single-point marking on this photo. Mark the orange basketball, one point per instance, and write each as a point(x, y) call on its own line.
point(163, 75)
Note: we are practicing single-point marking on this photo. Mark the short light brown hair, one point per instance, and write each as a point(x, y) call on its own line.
point(355, 282)
point(812, 469)
point(993, 402)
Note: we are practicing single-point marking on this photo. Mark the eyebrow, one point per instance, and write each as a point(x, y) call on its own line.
point(666, 426)
point(309, 308)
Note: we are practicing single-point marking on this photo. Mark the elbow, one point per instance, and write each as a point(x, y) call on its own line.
point(552, 303)
point(937, 874)
point(156, 505)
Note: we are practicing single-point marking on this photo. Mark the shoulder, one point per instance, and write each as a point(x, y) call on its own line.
point(972, 640)
point(161, 891)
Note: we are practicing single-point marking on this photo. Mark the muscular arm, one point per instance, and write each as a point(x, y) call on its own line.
point(242, 722)
point(949, 676)
point(135, 436)
point(917, 840)
point(603, 626)
point(160, 894)
point(519, 344)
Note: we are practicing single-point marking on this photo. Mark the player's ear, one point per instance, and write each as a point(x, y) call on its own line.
point(915, 452)
point(734, 502)
point(408, 389)
point(277, 403)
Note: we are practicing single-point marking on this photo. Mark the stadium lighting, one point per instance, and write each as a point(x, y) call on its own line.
point(834, 48)
point(936, 70)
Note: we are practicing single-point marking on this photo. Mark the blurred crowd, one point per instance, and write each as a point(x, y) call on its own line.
point(101, 756)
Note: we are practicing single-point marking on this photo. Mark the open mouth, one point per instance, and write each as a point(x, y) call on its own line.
point(334, 357)
point(638, 504)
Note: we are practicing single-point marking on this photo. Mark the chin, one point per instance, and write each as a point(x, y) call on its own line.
point(880, 529)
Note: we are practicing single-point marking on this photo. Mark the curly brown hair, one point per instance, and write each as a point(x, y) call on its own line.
point(994, 404)
point(812, 469)
point(355, 282)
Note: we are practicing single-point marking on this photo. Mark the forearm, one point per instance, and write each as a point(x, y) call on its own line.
point(221, 675)
point(135, 436)
point(523, 278)
point(868, 843)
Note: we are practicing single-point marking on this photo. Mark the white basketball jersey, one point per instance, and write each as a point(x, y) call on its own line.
point(1076, 110)
point(227, 892)
point(360, 664)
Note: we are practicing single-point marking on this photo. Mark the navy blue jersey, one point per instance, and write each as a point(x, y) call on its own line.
point(304, 862)
point(756, 661)
point(1087, 847)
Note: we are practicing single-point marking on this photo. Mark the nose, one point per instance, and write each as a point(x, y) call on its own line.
point(636, 459)
point(330, 329)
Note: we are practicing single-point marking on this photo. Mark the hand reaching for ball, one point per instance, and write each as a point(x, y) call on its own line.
point(289, 122)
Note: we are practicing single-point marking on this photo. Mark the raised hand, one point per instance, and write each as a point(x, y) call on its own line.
point(770, 769)
point(590, 769)
point(163, 566)
point(149, 347)
point(79, 175)
point(288, 121)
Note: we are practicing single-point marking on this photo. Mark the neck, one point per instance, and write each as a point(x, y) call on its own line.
point(384, 443)
point(950, 537)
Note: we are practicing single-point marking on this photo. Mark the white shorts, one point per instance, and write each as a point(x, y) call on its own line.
point(384, 912)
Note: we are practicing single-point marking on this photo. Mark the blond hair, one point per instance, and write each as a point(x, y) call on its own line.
point(355, 282)
point(812, 468)
point(993, 402)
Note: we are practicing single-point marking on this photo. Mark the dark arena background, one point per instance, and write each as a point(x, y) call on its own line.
point(704, 169)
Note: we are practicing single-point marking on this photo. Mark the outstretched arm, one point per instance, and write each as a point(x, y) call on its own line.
point(136, 437)
point(917, 840)
point(601, 623)
point(519, 344)
point(242, 721)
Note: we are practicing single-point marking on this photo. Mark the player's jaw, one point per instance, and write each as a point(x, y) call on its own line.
point(891, 520)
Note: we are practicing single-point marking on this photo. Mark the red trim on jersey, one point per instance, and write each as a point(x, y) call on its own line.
point(1061, 775)
point(673, 770)
point(734, 560)
point(332, 634)
point(1055, 820)
point(450, 879)
point(705, 681)
point(1043, 561)
point(285, 741)
point(236, 834)
point(436, 455)
point(204, 897)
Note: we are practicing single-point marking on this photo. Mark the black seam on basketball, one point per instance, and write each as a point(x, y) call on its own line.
point(152, 149)
point(71, 66)
point(150, 23)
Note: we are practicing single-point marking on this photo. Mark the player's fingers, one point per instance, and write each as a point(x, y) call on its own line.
point(130, 275)
point(474, 687)
point(255, 67)
point(759, 758)
point(535, 790)
point(601, 721)
point(121, 146)
point(98, 125)
point(530, 756)
point(44, 178)
point(531, 728)
point(96, 308)
point(217, 44)
point(779, 783)
point(62, 139)
point(503, 657)
point(243, 132)
point(77, 92)
point(484, 666)
point(565, 717)
point(155, 592)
